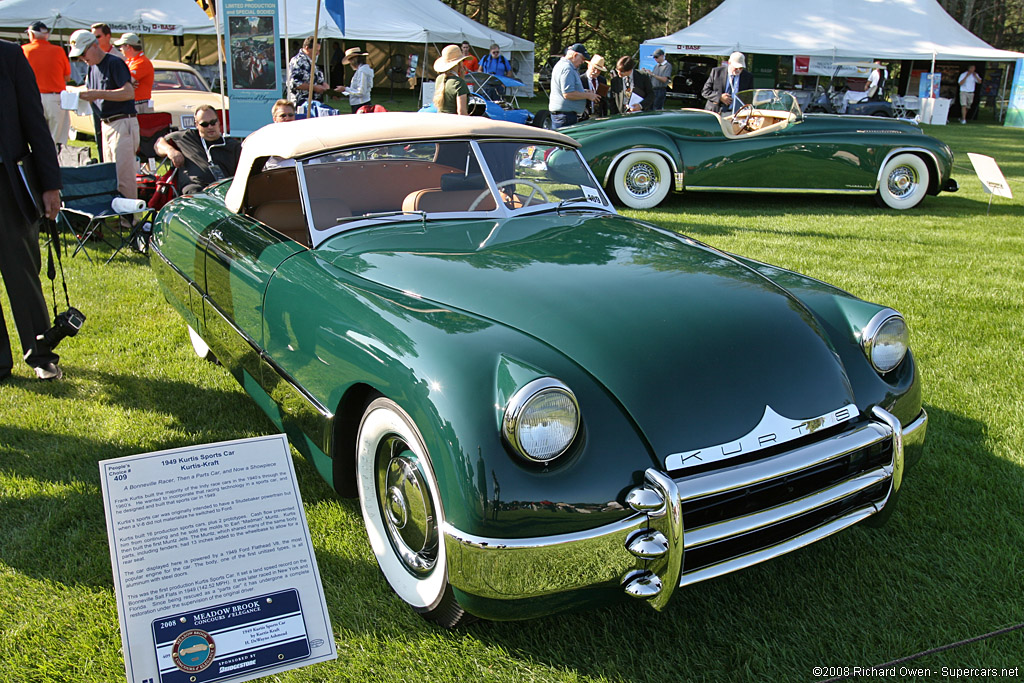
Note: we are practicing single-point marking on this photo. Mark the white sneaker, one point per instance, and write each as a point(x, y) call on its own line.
point(963, 121)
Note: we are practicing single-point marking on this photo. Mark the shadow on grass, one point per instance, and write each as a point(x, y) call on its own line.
point(893, 591)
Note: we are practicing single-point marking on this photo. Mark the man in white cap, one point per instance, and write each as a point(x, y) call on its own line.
point(724, 82)
point(110, 82)
point(52, 69)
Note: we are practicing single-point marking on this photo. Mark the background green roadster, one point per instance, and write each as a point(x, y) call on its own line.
point(767, 146)
point(539, 403)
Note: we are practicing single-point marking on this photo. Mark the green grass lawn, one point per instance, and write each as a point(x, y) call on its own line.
point(947, 567)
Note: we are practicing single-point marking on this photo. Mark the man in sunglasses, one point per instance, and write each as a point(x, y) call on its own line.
point(202, 154)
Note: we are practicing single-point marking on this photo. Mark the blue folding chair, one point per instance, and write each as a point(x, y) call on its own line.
point(87, 195)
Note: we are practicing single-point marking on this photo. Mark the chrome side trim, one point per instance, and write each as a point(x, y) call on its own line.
point(291, 381)
point(618, 157)
point(758, 520)
point(790, 462)
point(911, 150)
point(795, 190)
point(770, 552)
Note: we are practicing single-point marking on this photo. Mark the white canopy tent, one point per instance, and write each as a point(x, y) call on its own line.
point(428, 23)
point(881, 29)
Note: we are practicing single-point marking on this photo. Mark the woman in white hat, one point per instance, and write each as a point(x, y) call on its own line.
point(359, 89)
point(451, 94)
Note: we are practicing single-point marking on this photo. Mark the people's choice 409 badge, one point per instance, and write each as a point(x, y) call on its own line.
point(193, 650)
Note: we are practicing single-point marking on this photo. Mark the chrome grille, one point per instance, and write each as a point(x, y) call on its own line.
point(739, 515)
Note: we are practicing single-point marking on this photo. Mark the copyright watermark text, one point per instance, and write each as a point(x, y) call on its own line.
point(944, 672)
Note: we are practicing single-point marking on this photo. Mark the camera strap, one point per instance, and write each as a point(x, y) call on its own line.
point(51, 272)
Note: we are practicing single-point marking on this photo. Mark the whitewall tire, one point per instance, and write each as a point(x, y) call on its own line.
point(401, 506)
point(641, 180)
point(201, 348)
point(904, 182)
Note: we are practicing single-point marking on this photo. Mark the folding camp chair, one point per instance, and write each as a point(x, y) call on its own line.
point(88, 195)
point(152, 127)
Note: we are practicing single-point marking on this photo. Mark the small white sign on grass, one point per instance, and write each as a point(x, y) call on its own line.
point(214, 570)
point(990, 175)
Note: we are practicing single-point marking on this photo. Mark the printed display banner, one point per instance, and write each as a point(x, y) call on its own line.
point(1015, 109)
point(254, 68)
point(825, 66)
point(930, 84)
point(214, 571)
point(646, 60)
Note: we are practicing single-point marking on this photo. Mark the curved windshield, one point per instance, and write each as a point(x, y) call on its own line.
point(445, 178)
point(770, 100)
point(175, 79)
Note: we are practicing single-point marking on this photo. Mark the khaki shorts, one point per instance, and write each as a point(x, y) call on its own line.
point(966, 98)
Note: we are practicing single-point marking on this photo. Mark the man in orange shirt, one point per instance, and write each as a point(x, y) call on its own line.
point(138, 64)
point(52, 69)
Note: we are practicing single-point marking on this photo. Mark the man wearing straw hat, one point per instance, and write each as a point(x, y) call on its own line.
point(596, 82)
point(358, 90)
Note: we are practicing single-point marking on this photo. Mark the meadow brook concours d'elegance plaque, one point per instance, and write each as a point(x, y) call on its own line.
point(214, 570)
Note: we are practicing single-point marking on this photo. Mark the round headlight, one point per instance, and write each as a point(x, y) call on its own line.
point(542, 419)
point(886, 340)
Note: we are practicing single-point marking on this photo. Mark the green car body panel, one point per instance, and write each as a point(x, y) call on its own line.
point(668, 345)
point(816, 152)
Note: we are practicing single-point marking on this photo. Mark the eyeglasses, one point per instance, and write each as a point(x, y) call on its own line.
point(207, 124)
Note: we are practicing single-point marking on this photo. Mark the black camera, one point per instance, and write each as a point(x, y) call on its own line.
point(66, 324)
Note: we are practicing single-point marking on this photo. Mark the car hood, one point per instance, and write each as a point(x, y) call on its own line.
point(694, 345)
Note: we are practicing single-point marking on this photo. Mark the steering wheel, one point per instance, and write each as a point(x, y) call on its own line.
point(742, 117)
point(534, 187)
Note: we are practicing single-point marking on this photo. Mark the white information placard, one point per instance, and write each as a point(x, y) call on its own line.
point(990, 175)
point(214, 570)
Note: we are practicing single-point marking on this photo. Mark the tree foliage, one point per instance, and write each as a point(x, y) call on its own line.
point(617, 27)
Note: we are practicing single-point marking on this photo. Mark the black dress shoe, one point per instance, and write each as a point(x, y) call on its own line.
point(49, 371)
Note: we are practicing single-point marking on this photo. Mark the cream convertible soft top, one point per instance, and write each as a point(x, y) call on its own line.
point(293, 139)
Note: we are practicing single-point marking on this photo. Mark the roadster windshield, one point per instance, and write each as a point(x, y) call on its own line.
point(445, 178)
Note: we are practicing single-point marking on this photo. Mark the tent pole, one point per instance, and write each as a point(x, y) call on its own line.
point(423, 69)
point(316, 53)
point(220, 70)
point(1002, 93)
point(287, 52)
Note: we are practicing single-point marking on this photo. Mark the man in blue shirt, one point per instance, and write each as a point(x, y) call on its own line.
point(568, 96)
point(110, 83)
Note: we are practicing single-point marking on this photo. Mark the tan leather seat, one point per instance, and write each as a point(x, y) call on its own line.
point(438, 201)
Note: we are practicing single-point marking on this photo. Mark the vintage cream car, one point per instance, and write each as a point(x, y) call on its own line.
point(177, 89)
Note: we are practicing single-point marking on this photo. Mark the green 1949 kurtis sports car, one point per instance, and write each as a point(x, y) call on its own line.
point(767, 146)
point(539, 403)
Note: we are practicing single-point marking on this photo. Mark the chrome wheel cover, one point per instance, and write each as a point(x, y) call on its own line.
point(642, 179)
point(902, 181)
point(407, 507)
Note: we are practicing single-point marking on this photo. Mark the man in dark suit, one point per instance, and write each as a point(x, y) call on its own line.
point(24, 136)
point(625, 85)
point(724, 82)
point(594, 80)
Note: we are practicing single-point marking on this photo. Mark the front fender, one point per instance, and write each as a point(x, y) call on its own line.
point(604, 149)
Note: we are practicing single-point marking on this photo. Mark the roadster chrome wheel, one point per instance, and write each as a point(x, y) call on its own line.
point(641, 180)
point(903, 182)
point(401, 508)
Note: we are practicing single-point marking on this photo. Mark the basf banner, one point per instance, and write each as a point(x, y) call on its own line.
point(253, 62)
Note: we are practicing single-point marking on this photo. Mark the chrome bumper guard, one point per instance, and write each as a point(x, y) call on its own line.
point(653, 551)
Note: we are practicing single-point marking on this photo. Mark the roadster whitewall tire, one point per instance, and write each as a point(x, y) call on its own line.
point(401, 506)
point(641, 180)
point(904, 182)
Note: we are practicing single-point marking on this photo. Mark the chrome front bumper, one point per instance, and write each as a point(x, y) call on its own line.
point(653, 551)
